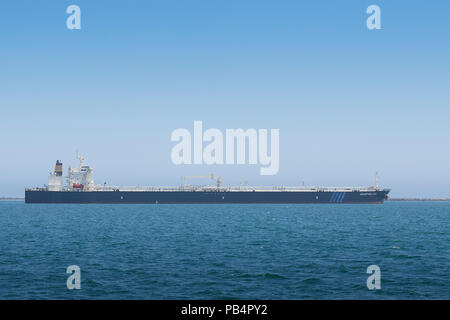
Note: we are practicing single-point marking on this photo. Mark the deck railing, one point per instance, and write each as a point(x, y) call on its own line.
point(101, 188)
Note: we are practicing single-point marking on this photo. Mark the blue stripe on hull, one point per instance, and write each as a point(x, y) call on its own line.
point(333, 197)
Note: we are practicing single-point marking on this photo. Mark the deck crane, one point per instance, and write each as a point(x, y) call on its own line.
point(209, 176)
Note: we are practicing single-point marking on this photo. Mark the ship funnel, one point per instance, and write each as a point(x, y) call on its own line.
point(58, 168)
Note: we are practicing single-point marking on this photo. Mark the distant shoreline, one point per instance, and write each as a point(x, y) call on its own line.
point(419, 199)
point(391, 199)
point(11, 199)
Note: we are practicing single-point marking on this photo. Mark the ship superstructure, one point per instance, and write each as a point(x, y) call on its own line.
point(77, 178)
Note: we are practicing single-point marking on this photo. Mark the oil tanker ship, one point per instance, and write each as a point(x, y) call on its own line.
point(80, 188)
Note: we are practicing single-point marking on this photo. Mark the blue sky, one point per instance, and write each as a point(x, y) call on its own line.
point(347, 100)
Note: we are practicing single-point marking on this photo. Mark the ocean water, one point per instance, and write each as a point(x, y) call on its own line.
point(225, 251)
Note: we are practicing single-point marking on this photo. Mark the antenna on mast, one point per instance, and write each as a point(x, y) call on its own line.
point(376, 179)
point(80, 158)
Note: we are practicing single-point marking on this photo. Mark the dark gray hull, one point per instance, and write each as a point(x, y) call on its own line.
point(196, 197)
